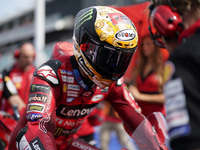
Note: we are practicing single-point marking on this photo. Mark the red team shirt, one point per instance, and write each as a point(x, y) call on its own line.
point(149, 85)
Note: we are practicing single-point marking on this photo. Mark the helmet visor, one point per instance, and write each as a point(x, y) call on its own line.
point(111, 62)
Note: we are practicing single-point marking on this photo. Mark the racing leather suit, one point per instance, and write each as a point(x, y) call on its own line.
point(60, 100)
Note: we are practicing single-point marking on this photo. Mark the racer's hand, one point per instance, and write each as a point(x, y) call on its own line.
point(161, 145)
point(146, 137)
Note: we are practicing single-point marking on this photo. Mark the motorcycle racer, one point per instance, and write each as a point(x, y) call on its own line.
point(65, 90)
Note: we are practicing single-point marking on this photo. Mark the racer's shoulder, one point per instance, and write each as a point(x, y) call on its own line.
point(48, 71)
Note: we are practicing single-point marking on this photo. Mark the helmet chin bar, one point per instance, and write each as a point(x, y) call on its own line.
point(102, 83)
point(88, 70)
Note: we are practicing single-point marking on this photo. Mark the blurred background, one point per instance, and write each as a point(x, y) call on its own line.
point(42, 22)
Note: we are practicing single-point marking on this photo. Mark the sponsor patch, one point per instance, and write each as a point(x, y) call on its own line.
point(125, 35)
point(48, 73)
point(58, 131)
point(70, 99)
point(34, 107)
point(73, 112)
point(80, 145)
point(69, 123)
point(36, 144)
point(33, 117)
point(61, 131)
point(38, 98)
point(66, 132)
point(73, 87)
point(40, 88)
point(67, 79)
point(64, 87)
point(66, 72)
point(72, 93)
point(79, 80)
point(97, 98)
point(23, 144)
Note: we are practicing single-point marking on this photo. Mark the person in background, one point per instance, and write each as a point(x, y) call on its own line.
point(147, 84)
point(113, 123)
point(21, 72)
point(8, 117)
point(87, 130)
point(8, 91)
point(181, 38)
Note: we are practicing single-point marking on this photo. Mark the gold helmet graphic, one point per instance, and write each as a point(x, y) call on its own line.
point(104, 42)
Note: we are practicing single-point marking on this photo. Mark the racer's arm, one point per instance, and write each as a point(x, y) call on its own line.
point(41, 116)
point(21, 123)
point(124, 104)
point(128, 110)
point(41, 109)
